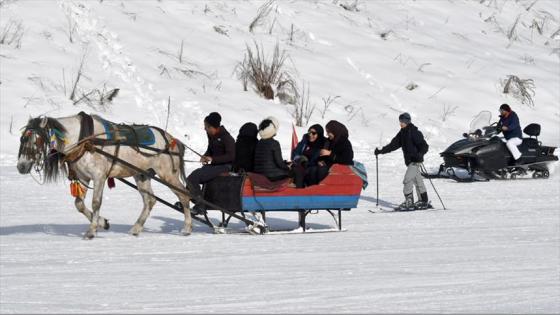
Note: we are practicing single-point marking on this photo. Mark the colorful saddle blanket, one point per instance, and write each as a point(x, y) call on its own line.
point(131, 135)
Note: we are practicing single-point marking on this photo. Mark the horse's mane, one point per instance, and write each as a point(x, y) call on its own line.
point(52, 166)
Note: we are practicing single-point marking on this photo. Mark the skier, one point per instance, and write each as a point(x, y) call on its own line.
point(511, 128)
point(413, 145)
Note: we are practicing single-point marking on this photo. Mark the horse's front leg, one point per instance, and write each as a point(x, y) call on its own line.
point(145, 189)
point(98, 185)
point(81, 206)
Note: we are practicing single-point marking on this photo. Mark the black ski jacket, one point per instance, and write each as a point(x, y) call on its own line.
point(268, 160)
point(245, 148)
point(412, 142)
point(221, 147)
point(341, 152)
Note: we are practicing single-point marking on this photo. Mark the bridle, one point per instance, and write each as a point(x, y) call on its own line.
point(33, 147)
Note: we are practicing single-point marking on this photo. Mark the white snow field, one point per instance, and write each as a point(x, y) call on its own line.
point(496, 249)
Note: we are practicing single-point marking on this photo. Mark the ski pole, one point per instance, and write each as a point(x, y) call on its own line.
point(377, 179)
point(423, 168)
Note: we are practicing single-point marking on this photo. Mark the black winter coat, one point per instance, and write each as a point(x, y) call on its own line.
point(245, 148)
point(309, 150)
point(341, 153)
point(221, 147)
point(268, 160)
point(412, 142)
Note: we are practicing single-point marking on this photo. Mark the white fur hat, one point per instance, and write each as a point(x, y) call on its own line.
point(268, 127)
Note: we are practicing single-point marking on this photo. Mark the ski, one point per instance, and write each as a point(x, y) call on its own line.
point(400, 210)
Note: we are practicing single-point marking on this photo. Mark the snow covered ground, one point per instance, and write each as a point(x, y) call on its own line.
point(496, 250)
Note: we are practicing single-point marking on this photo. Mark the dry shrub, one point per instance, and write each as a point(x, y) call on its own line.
point(523, 90)
point(265, 74)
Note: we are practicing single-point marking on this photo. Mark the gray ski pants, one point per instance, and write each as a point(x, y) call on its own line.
point(412, 177)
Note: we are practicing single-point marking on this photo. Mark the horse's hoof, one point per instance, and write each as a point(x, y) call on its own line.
point(135, 230)
point(89, 235)
point(104, 223)
point(186, 232)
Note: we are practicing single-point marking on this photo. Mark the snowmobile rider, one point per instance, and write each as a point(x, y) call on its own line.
point(217, 159)
point(510, 127)
point(414, 147)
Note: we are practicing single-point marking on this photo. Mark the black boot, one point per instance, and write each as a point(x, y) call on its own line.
point(198, 209)
point(408, 203)
point(423, 203)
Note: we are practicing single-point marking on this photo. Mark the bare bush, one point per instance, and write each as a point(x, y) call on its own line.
point(262, 13)
point(286, 89)
point(264, 74)
point(512, 34)
point(350, 6)
point(411, 86)
point(12, 33)
point(448, 111)
point(523, 90)
point(538, 26)
point(220, 29)
point(72, 26)
point(180, 53)
point(385, 35)
point(555, 34)
point(98, 99)
point(303, 109)
point(73, 94)
point(327, 102)
point(11, 124)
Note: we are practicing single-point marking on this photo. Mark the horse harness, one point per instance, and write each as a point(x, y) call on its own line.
point(88, 141)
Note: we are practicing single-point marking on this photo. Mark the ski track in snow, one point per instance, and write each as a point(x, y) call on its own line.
point(112, 55)
point(494, 250)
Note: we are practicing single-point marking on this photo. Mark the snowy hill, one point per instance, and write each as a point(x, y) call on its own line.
point(456, 53)
point(495, 250)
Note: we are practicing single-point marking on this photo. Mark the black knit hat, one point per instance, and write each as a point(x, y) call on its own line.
point(505, 107)
point(405, 118)
point(213, 119)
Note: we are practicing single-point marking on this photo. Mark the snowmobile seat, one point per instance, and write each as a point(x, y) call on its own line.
point(532, 130)
point(529, 145)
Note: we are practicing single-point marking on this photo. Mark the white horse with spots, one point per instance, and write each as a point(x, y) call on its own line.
point(54, 147)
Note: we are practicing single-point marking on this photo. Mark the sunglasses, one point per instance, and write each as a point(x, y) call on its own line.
point(312, 133)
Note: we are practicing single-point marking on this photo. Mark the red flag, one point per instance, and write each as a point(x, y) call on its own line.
point(294, 140)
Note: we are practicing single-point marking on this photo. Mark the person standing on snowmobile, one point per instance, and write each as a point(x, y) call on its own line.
point(414, 147)
point(511, 128)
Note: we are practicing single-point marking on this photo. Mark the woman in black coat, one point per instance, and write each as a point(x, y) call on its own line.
point(268, 154)
point(306, 154)
point(338, 150)
point(245, 148)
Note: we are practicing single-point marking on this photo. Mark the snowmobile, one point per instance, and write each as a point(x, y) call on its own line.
point(481, 155)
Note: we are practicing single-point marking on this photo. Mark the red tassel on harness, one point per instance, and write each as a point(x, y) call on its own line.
point(111, 182)
point(173, 143)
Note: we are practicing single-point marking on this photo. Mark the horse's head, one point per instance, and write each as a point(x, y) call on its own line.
point(36, 148)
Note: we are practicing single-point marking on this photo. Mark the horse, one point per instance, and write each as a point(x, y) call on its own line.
point(59, 146)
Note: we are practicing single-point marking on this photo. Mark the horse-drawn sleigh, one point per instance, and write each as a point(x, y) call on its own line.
point(88, 148)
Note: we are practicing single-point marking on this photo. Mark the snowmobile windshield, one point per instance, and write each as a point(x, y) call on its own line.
point(480, 121)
